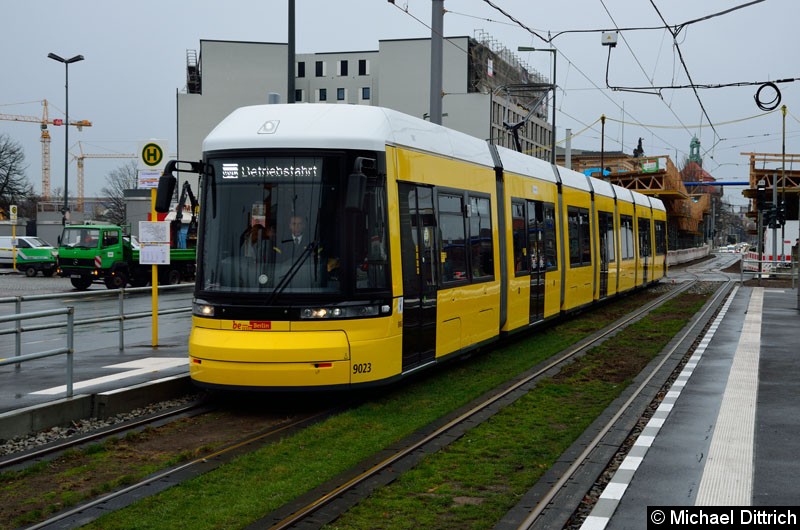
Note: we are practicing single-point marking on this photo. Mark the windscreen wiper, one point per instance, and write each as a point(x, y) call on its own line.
point(290, 274)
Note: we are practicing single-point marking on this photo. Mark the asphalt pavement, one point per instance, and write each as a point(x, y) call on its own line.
point(98, 363)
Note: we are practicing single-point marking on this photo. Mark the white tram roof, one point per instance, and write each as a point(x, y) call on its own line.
point(573, 179)
point(641, 200)
point(657, 204)
point(602, 187)
point(522, 164)
point(329, 126)
point(623, 194)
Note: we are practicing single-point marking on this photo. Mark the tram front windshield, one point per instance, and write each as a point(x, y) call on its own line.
point(286, 226)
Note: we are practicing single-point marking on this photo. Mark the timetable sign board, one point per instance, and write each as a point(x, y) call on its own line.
point(154, 254)
point(154, 232)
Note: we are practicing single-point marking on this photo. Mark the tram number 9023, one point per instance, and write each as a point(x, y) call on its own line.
point(362, 368)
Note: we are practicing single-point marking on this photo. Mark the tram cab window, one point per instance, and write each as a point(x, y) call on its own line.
point(251, 241)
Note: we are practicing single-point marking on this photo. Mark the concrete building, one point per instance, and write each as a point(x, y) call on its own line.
point(225, 75)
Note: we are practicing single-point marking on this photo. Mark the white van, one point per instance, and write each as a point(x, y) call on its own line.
point(33, 255)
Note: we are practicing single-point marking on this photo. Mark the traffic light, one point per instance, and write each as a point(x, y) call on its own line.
point(771, 216)
point(781, 215)
point(761, 194)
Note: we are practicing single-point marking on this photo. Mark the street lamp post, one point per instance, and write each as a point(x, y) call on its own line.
point(67, 62)
point(554, 51)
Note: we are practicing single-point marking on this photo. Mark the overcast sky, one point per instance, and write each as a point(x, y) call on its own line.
point(135, 59)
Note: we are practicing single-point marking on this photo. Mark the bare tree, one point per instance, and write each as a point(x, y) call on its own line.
point(14, 185)
point(118, 180)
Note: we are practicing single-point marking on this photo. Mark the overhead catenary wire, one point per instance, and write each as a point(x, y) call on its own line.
point(701, 125)
point(685, 67)
point(674, 31)
point(569, 62)
point(677, 27)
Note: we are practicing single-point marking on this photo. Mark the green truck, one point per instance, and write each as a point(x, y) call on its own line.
point(93, 252)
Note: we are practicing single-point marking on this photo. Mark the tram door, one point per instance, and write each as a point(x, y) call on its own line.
point(418, 254)
point(644, 246)
point(606, 230)
point(536, 252)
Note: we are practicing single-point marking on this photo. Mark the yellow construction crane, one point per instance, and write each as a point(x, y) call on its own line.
point(80, 158)
point(44, 121)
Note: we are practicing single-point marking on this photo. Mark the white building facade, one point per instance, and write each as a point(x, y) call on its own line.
point(226, 75)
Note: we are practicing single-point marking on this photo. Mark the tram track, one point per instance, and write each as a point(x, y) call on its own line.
point(166, 478)
point(384, 464)
point(337, 498)
point(535, 518)
point(32, 456)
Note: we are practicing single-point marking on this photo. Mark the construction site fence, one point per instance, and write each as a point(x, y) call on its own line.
point(783, 268)
point(685, 255)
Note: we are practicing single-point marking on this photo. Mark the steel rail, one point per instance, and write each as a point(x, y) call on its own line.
point(579, 461)
point(150, 480)
point(22, 458)
point(323, 500)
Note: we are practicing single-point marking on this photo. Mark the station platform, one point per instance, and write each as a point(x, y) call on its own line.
point(728, 432)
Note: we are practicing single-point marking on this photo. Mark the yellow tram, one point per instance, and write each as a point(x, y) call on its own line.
point(343, 246)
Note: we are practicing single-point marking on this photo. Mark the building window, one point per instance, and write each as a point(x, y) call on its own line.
point(320, 68)
point(301, 69)
point(323, 94)
point(343, 68)
point(365, 93)
point(341, 94)
point(298, 95)
point(363, 67)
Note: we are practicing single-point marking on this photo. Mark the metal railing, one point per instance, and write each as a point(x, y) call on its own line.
point(120, 317)
point(768, 269)
point(18, 359)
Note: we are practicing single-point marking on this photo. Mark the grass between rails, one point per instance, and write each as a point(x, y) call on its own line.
point(243, 491)
point(77, 476)
point(474, 482)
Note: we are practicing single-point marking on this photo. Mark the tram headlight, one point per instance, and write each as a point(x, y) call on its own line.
point(201, 308)
point(352, 311)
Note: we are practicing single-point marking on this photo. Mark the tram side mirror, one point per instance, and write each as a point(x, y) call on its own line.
point(357, 182)
point(165, 192)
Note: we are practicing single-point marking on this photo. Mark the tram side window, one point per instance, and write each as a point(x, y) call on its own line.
point(480, 238)
point(550, 236)
point(579, 237)
point(521, 264)
point(451, 224)
point(607, 227)
point(626, 236)
point(644, 237)
point(661, 238)
point(535, 235)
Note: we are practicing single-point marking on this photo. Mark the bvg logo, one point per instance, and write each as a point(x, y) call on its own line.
point(152, 154)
